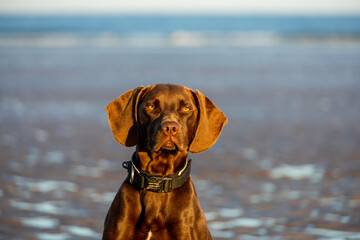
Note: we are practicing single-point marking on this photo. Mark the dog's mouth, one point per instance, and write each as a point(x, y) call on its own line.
point(169, 147)
point(166, 144)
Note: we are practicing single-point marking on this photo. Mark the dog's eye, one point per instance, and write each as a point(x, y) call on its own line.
point(186, 109)
point(152, 107)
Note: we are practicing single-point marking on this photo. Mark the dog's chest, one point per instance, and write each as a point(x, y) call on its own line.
point(149, 236)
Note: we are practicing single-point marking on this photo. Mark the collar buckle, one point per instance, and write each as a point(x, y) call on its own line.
point(158, 184)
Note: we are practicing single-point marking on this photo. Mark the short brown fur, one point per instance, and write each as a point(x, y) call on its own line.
point(165, 122)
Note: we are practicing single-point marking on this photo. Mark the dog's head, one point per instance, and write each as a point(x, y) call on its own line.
point(165, 117)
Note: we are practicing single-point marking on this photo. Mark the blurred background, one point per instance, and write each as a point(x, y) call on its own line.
point(285, 73)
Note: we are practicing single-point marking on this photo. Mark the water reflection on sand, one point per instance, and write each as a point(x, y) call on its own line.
point(285, 167)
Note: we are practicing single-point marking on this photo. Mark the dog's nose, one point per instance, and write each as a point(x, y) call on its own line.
point(170, 128)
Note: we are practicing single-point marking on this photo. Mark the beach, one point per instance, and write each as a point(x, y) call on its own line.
point(286, 166)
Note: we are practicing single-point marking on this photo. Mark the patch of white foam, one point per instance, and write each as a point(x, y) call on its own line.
point(269, 187)
point(246, 222)
point(33, 157)
point(223, 234)
point(49, 207)
point(230, 212)
point(235, 223)
point(52, 236)
point(333, 233)
point(336, 218)
point(55, 157)
point(292, 195)
point(83, 232)
point(178, 38)
point(314, 213)
point(345, 219)
point(249, 153)
point(87, 171)
point(298, 172)
point(210, 216)
point(43, 207)
point(45, 186)
point(188, 39)
point(261, 231)
point(250, 237)
point(40, 222)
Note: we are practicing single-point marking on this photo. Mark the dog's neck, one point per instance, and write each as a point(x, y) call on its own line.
point(161, 163)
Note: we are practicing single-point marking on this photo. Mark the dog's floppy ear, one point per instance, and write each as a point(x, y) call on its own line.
point(209, 124)
point(122, 114)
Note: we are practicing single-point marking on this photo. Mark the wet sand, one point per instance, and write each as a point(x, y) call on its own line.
point(287, 165)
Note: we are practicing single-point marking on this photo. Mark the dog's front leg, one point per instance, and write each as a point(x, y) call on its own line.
point(123, 215)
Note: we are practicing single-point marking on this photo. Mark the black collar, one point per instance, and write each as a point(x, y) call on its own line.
point(156, 183)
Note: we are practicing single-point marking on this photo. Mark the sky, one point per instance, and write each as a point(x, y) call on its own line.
point(284, 7)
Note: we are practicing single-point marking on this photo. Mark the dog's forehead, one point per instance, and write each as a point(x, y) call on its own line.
point(168, 92)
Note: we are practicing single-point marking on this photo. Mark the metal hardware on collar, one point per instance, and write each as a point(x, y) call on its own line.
point(126, 165)
point(129, 166)
point(158, 184)
point(155, 183)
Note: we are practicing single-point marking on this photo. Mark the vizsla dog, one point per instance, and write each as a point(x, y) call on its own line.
point(158, 199)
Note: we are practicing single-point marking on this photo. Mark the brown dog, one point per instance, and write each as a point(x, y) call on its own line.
point(158, 199)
